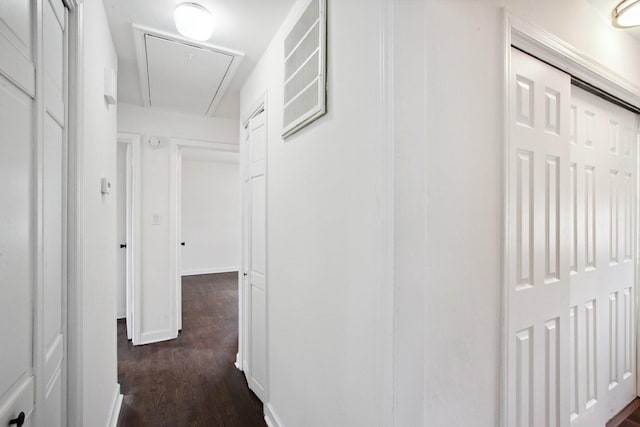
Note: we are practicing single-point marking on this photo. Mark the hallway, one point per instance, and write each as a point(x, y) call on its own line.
point(191, 381)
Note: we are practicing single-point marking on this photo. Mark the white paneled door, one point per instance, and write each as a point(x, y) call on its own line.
point(54, 150)
point(601, 252)
point(571, 221)
point(17, 245)
point(538, 313)
point(254, 256)
point(33, 153)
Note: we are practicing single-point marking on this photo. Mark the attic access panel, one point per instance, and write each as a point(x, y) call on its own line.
point(180, 75)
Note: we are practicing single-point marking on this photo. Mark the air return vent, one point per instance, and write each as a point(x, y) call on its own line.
point(305, 69)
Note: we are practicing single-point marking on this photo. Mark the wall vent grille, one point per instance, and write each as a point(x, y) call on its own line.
point(305, 69)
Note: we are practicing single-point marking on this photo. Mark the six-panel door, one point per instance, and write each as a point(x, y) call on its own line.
point(32, 218)
point(572, 194)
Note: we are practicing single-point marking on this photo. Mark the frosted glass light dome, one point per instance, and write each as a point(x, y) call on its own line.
point(627, 14)
point(194, 21)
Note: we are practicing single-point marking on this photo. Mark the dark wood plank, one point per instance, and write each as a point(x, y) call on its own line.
point(628, 417)
point(190, 381)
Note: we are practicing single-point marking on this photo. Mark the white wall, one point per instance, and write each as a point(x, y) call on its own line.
point(323, 215)
point(155, 269)
point(464, 63)
point(448, 121)
point(210, 217)
point(98, 366)
point(167, 124)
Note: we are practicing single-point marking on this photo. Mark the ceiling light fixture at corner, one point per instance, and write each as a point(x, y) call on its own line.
point(194, 21)
point(626, 14)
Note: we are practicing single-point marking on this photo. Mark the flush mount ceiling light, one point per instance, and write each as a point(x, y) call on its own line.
point(627, 14)
point(193, 21)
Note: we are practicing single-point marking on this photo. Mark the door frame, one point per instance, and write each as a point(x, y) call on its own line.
point(175, 219)
point(552, 50)
point(75, 126)
point(244, 296)
point(133, 233)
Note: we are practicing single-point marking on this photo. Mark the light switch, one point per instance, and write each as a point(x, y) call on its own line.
point(156, 219)
point(110, 87)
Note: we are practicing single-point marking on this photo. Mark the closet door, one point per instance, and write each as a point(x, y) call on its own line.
point(602, 223)
point(17, 210)
point(52, 387)
point(33, 215)
point(538, 287)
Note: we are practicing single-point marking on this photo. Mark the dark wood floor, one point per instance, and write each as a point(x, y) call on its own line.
point(629, 417)
point(190, 381)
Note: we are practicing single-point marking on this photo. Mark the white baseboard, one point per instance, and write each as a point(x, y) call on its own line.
point(270, 416)
point(212, 270)
point(116, 405)
point(156, 336)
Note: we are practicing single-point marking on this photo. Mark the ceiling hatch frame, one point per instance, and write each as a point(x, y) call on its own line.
point(139, 34)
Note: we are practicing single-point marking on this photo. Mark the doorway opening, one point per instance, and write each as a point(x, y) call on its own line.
point(204, 217)
point(128, 229)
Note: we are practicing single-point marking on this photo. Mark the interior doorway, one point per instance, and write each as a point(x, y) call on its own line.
point(123, 225)
point(128, 229)
point(205, 213)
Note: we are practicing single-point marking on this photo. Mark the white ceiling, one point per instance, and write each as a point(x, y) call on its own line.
point(243, 25)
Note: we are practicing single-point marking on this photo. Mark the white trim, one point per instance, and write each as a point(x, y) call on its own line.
point(270, 416)
point(637, 264)
point(215, 270)
point(75, 279)
point(116, 405)
point(139, 33)
point(554, 51)
point(205, 145)
point(387, 164)
point(37, 218)
point(257, 106)
point(504, 241)
point(152, 337)
point(238, 362)
point(134, 231)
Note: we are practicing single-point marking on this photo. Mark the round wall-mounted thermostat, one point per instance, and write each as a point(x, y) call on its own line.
point(154, 142)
